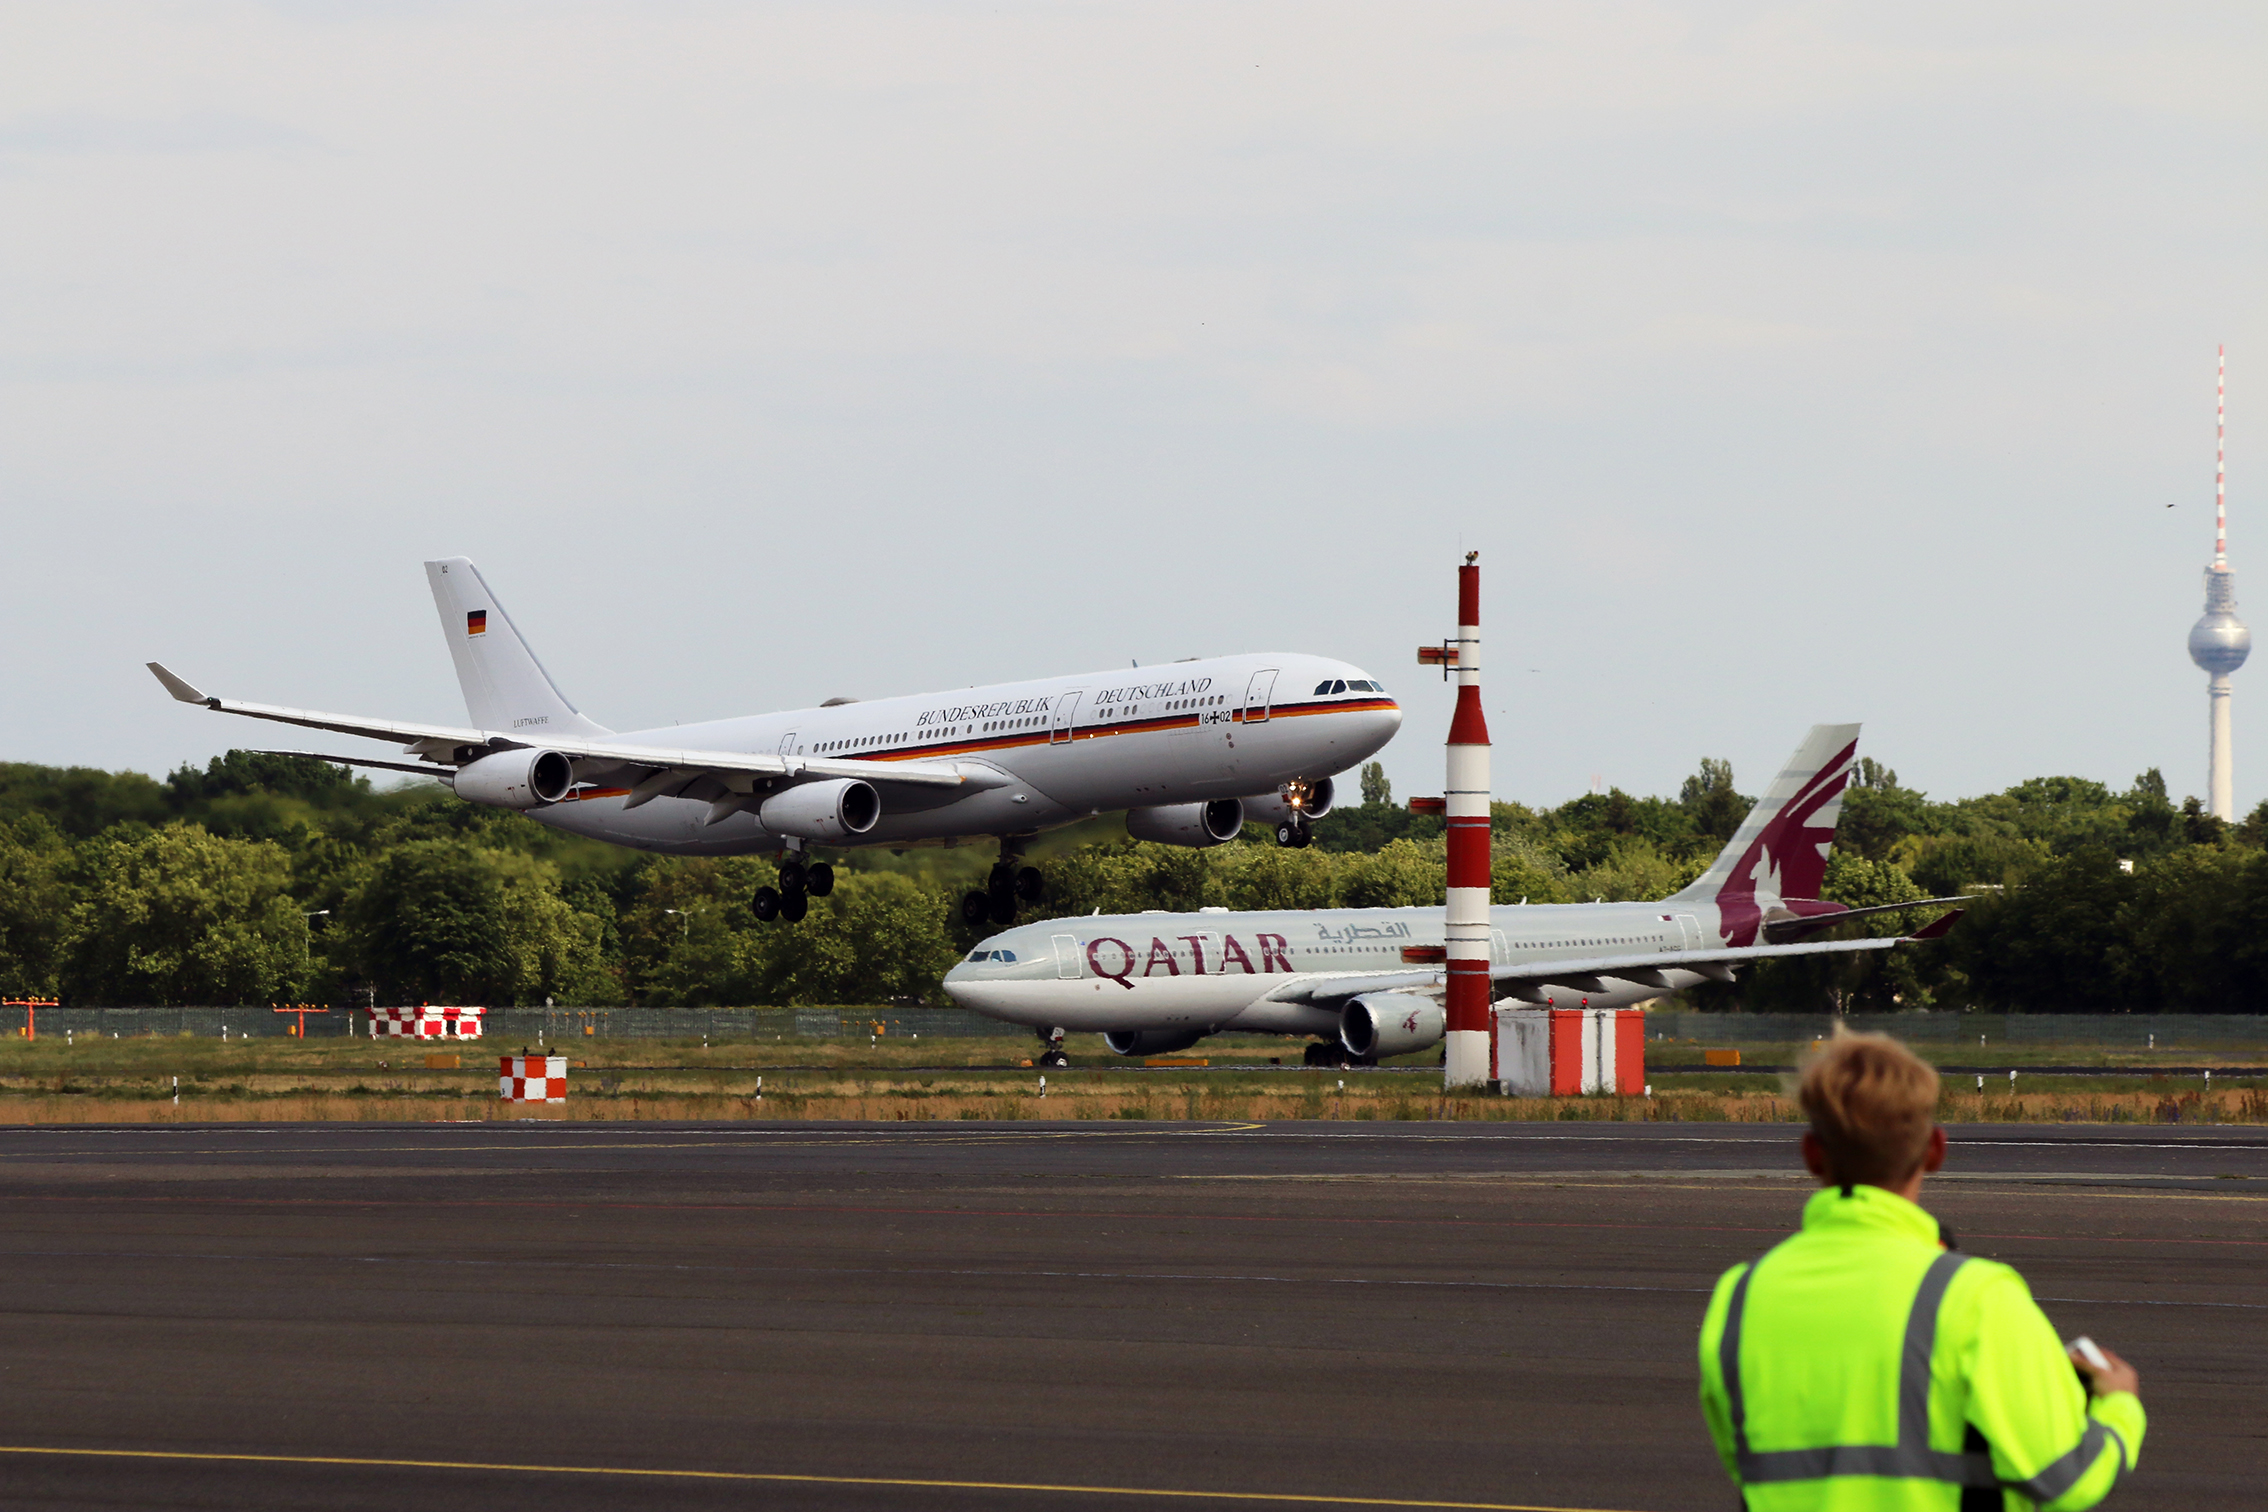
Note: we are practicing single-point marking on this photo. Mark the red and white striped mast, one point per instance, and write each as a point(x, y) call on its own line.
point(1465, 1058)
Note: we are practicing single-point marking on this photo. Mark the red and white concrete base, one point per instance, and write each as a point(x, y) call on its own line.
point(1565, 1052)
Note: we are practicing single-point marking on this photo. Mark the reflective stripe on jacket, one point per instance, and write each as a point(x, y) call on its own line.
point(1859, 1364)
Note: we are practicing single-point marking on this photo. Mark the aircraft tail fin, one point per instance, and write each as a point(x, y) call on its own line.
point(1780, 849)
point(506, 688)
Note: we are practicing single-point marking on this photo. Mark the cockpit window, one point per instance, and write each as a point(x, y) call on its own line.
point(1323, 687)
point(980, 955)
point(1003, 956)
point(1340, 686)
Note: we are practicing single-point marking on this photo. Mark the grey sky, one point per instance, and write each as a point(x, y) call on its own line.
point(1786, 363)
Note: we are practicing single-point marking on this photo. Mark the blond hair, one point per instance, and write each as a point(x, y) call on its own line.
point(1872, 1102)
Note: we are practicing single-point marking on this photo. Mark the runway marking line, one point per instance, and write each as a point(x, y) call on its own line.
point(751, 1476)
point(594, 1136)
point(969, 1273)
point(571, 1205)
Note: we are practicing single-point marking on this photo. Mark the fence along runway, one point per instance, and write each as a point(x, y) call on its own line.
point(916, 1316)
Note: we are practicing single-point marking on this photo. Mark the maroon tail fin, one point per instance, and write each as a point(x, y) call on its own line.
point(1780, 850)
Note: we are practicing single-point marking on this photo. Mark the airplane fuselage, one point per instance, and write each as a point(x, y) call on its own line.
point(1042, 753)
point(1220, 971)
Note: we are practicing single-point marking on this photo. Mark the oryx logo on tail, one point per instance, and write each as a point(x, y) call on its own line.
point(1780, 850)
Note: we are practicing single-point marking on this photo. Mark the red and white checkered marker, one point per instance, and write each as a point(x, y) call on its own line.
point(532, 1078)
point(425, 1023)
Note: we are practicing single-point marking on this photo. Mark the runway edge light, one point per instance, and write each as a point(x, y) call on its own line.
point(1465, 1058)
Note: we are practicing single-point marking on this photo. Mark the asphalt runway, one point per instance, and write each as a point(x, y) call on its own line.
point(1082, 1315)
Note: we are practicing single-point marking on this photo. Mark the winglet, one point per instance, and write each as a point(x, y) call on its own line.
point(177, 687)
point(1939, 927)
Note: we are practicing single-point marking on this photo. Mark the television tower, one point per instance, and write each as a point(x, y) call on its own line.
point(2220, 642)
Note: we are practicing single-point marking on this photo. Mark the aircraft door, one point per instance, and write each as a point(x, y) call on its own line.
point(787, 744)
point(1689, 930)
point(1257, 694)
point(1499, 949)
point(1067, 957)
point(1059, 723)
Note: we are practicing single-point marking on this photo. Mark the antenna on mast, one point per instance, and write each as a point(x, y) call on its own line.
point(2220, 466)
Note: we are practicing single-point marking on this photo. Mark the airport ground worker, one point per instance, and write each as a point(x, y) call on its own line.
point(1866, 1363)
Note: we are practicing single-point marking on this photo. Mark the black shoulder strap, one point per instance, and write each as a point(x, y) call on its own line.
point(1980, 1498)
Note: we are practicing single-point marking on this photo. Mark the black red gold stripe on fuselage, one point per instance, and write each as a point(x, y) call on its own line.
point(1022, 739)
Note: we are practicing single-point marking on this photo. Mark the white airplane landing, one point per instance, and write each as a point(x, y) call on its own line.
point(1190, 751)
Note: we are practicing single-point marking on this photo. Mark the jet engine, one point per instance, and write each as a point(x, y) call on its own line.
point(516, 779)
point(1380, 1024)
point(1151, 1041)
point(1196, 824)
point(823, 811)
point(1275, 808)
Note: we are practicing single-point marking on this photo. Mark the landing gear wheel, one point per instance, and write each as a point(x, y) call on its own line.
point(793, 878)
point(820, 879)
point(1003, 908)
point(794, 905)
point(1321, 1054)
point(1030, 884)
point(1051, 1058)
point(1294, 834)
point(765, 905)
point(976, 910)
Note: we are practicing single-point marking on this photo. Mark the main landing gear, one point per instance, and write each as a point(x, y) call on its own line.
point(800, 882)
point(1008, 885)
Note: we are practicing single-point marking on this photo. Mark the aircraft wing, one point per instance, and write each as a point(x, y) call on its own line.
point(1588, 975)
point(656, 766)
point(1778, 931)
point(1645, 968)
point(1347, 984)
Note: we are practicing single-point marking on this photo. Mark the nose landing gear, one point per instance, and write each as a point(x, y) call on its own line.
point(1051, 1052)
point(1297, 829)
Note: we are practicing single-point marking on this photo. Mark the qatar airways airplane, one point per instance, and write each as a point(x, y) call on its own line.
point(1360, 979)
point(1191, 751)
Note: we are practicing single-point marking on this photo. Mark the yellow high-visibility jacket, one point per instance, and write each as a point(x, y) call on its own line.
point(1861, 1364)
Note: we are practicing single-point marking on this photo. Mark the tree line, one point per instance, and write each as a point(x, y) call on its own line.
point(262, 878)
